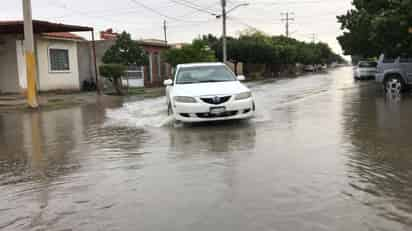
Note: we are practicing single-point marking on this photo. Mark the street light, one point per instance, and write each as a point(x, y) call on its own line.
point(223, 15)
point(237, 6)
point(231, 9)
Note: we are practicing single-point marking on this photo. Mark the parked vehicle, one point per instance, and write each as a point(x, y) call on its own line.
point(309, 68)
point(394, 72)
point(208, 92)
point(365, 70)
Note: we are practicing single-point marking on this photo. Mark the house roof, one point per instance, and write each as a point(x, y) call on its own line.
point(17, 27)
point(142, 42)
point(63, 35)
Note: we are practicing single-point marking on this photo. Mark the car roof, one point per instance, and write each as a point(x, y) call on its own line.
point(199, 65)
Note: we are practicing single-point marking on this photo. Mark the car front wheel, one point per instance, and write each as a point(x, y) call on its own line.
point(394, 85)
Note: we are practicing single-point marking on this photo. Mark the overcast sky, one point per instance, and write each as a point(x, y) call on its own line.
point(144, 18)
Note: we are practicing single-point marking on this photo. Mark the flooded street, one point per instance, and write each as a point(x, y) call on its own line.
point(323, 153)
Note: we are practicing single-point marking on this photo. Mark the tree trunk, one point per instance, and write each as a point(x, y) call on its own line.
point(117, 83)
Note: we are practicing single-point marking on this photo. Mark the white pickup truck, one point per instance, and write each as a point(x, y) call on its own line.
point(394, 72)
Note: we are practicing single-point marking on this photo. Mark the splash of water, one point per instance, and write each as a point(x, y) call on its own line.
point(140, 114)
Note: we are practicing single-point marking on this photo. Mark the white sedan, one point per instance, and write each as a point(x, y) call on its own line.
point(208, 92)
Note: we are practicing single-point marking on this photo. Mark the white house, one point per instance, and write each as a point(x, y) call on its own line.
point(56, 52)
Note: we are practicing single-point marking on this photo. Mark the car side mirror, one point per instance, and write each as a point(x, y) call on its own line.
point(241, 78)
point(168, 82)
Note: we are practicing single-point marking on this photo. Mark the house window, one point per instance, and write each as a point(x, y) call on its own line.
point(135, 72)
point(59, 59)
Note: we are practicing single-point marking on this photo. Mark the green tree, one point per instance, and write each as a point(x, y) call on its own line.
point(276, 51)
point(118, 57)
point(198, 51)
point(125, 51)
point(375, 27)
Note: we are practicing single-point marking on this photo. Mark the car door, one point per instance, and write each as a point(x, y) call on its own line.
point(406, 66)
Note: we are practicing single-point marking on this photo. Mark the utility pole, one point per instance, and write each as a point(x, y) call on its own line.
point(224, 18)
point(313, 36)
point(165, 30)
point(30, 57)
point(224, 31)
point(286, 18)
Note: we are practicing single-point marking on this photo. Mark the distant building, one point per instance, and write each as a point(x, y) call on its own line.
point(151, 75)
point(178, 45)
point(108, 34)
point(55, 50)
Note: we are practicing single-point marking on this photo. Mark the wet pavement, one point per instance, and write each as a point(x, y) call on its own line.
point(323, 153)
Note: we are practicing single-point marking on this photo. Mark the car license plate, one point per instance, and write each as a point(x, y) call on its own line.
point(217, 110)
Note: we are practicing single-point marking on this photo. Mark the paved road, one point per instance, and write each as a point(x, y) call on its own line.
point(323, 153)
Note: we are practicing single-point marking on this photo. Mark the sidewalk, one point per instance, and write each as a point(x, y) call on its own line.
point(52, 100)
point(47, 100)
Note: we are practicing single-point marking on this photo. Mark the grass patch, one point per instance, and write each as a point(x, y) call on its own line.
point(135, 91)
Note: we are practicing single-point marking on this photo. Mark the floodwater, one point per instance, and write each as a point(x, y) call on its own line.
point(323, 153)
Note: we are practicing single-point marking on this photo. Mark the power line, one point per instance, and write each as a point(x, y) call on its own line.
point(244, 23)
point(101, 17)
point(209, 7)
point(197, 5)
point(194, 6)
point(288, 2)
point(179, 27)
point(159, 13)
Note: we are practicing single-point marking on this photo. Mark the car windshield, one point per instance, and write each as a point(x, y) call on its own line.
point(204, 74)
point(368, 64)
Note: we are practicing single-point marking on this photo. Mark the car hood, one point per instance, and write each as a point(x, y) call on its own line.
point(207, 89)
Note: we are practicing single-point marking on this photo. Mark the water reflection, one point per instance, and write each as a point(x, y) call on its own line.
point(379, 170)
point(39, 144)
point(393, 97)
point(37, 150)
point(227, 137)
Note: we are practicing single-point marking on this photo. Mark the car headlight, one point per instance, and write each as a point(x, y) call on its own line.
point(184, 99)
point(244, 95)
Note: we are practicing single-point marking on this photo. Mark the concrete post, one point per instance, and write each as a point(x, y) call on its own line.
point(224, 31)
point(30, 57)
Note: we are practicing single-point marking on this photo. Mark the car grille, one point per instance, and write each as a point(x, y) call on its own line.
point(209, 115)
point(216, 100)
